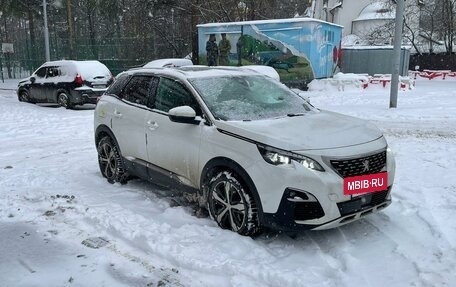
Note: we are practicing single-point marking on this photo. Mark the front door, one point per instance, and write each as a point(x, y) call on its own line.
point(171, 146)
point(37, 87)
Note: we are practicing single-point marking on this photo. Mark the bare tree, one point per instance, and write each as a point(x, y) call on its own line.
point(429, 23)
point(425, 22)
point(447, 23)
point(383, 34)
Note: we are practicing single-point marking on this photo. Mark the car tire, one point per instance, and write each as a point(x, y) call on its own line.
point(110, 160)
point(231, 204)
point(24, 97)
point(63, 100)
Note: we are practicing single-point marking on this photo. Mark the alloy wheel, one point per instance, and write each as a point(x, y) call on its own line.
point(108, 160)
point(228, 205)
point(63, 100)
point(23, 96)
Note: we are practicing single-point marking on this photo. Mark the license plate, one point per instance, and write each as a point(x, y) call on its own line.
point(365, 183)
point(99, 86)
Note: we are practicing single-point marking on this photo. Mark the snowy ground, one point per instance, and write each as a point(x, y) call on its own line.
point(53, 198)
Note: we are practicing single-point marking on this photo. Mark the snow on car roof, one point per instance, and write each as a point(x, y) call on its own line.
point(167, 63)
point(205, 71)
point(265, 70)
point(88, 69)
point(198, 71)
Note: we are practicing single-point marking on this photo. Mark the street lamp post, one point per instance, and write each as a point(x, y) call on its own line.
point(396, 53)
point(46, 33)
point(1, 65)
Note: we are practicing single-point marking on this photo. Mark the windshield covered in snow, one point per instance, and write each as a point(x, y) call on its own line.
point(248, 98)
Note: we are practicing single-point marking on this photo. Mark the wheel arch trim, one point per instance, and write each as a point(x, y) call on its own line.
point(60, 90)
point(223, 162)
point(101, 129)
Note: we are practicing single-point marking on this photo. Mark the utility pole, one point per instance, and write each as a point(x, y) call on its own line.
point(70, 30)
point(194, 31)
point(1, 65)
point(46, 32)
point(396, 53)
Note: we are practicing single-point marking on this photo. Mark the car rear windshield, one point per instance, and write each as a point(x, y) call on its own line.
point(248, 98)
point(89, 70)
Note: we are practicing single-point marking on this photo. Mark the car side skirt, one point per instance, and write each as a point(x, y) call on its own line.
point(156, 175)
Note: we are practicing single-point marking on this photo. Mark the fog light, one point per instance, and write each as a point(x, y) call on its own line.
point(299, 196)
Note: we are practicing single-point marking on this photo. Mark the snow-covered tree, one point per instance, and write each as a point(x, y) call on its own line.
point(426, 24)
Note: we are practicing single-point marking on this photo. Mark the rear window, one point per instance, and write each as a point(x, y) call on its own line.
point(92, 69)
point(137, 90)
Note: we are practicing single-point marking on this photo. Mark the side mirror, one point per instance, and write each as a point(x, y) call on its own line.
point(32, 79)
point(183, 114)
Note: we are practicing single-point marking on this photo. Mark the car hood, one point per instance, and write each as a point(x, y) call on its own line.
point(24, 81)
point(315, 130)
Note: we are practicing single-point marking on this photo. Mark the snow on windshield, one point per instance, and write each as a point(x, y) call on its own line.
point(248, 98)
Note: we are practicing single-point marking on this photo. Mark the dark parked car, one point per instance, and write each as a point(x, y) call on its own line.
point(67, 83)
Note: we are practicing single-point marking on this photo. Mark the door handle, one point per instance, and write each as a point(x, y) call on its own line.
point(152, 125)
point(117, 114)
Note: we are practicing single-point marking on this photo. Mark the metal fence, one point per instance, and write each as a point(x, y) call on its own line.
point(433, 62)
point(117, 54)
point(373, 60)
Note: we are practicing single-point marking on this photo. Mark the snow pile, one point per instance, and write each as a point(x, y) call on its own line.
point(8, 84)
point(342, 82)
point(339, 81)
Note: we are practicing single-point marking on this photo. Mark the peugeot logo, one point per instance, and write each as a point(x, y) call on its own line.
point(366, 165)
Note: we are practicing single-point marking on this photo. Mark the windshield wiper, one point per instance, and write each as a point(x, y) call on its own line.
point(295, 115)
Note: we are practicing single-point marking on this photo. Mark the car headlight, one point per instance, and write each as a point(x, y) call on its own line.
point(281, 157)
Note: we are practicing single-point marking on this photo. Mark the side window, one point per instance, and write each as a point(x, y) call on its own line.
point(52, 72)
point(41, 72)
point(171, 94)
point(118, 85)
point(137, 90)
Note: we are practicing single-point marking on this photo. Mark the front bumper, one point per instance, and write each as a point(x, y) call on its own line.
point(289, 215)
point(323, 204)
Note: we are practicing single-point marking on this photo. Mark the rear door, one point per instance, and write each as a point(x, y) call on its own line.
point(129, 114)
point(171, 146)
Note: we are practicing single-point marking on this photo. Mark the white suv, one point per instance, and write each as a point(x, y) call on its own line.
point(254, 152)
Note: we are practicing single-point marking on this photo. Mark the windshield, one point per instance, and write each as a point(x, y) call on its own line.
point(248, 98)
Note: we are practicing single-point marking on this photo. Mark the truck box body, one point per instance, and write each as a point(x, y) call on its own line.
point(300, 49)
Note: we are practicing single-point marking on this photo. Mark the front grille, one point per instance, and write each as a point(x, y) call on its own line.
point(308, 210)
point(362, 202)
point(358, 166)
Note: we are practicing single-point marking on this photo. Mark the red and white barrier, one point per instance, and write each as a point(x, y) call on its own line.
point(432, 74)
point(364, 81)
point(385, 79)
